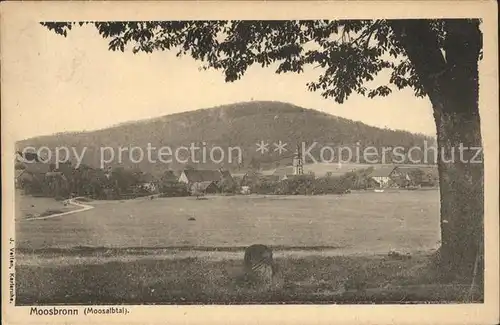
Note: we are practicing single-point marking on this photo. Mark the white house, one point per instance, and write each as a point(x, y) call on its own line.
point(382, 176)
point(191, 176)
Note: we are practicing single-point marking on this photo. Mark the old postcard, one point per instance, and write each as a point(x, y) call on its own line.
point(250, 162)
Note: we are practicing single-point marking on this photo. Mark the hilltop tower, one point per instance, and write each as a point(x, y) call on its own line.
point(298, 164)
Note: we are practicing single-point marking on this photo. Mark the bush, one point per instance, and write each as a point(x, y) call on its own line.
point(304, 185)
point(173, 189)
point(264, 187)
point(331, 185)
point(229, 188)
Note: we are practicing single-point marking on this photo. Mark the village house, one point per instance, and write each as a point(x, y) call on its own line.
point(218, 177)
point(384, 175)
point(205, 187)
point(403, 176)
point(283, 173)
point(17, 177)
point(28, 157)
point(253, 176)
point(32, 174)
point(34, 171)
point(191, 176)
point(245, 190)
point(290, 172)
point(147, 182)
point(168, 176)
point(422, 175)
point(29, 167)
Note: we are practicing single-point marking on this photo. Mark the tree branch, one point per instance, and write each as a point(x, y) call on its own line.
point(367, 32)
point(421, 46)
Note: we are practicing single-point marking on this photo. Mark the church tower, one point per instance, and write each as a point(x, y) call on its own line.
point(298, 164)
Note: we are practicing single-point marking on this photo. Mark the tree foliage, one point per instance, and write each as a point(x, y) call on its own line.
point(350, 53)
point(434, 58)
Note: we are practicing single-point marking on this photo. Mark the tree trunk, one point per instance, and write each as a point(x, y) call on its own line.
point(451, 82)
point(462, 201)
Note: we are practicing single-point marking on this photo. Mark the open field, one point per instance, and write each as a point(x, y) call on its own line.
point(311, 279)
point(148, 251)
point(31, 207)
point(354, 223)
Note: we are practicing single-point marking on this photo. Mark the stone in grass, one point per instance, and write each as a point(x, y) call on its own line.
point(398, 255)
point(259, 266)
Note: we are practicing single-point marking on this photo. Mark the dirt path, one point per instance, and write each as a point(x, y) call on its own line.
point(84, 207)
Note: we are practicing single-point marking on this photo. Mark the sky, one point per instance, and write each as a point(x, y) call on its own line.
point(59, 84)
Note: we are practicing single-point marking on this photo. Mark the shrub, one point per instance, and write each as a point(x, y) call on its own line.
point(264, 187)
point(331, 185)
point(173, 189)
point(228, 186)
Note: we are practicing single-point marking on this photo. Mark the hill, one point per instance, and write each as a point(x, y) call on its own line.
point(237, 125)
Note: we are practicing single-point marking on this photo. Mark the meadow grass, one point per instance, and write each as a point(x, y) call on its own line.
point(328, 249)
point(358, 222)
point(312, 279)
point(29, 207)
